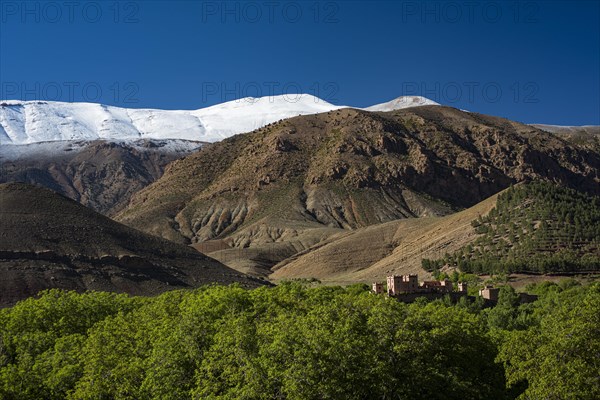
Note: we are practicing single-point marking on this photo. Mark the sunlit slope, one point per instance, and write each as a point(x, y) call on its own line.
point(374, 252)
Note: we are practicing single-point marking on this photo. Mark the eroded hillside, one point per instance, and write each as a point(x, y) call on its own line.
point(306, 178)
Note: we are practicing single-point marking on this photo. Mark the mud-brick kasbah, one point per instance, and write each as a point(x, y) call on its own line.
point(408, 288)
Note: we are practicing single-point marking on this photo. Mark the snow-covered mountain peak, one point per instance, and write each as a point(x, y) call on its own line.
point(286, 101)
point(402, 102)
point(26, 122)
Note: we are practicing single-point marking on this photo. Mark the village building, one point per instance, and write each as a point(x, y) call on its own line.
point(489, 293)
point(444, 286)
point(402, 284)
point(406, 288)
point(406, 284)
point(378, 287)
point(493, 294)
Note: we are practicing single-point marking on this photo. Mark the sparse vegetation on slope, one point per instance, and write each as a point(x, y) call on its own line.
point(536, 227)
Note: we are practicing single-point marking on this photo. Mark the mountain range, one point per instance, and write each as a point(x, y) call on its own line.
point(284, 188)
point(270, 188)
point(26, 122)
point(73, 148)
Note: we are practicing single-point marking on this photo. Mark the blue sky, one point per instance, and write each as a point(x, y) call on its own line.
point(529, 61)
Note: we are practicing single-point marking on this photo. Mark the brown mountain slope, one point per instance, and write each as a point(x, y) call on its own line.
point(100, 175)
point(372, 253)
point(269, 244)
point(348, 169)
point(573, 130)
point(587, 136)
point(49, 241)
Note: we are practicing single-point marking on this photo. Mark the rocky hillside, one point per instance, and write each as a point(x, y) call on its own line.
point(587, 136)
point(99, 174)
point(49, 241)
point(306, 178)
point(323, 168)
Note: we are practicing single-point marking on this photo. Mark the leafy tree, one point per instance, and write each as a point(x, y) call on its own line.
point(560, 357)
point(40, 339)
point(299, 342)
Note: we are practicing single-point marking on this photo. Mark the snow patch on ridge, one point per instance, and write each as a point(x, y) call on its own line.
point(12, 152)
point(402, 102)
